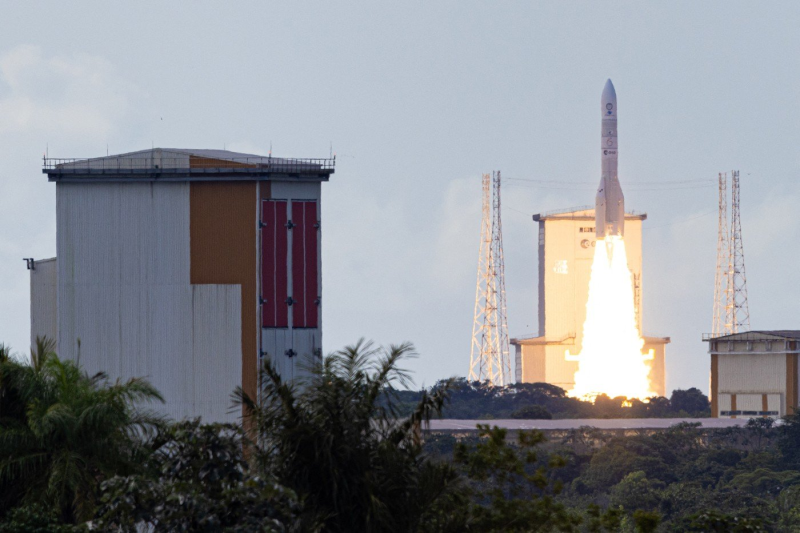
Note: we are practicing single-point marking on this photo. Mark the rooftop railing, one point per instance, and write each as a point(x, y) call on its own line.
point(186, 163)
point(569, 210)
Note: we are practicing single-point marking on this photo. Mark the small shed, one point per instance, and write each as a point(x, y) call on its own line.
point(754, 373)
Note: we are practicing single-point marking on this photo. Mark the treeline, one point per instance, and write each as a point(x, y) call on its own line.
point(482, 401)
point(690, 479)
point(80, 452)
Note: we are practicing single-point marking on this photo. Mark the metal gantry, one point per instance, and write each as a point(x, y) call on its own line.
point(489, 357)
point(731, 310)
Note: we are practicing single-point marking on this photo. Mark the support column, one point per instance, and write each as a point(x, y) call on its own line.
point(791, 383)
point(714, 385)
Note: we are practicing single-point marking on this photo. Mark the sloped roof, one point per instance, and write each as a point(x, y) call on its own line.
point(185, 164)
point(782, 333)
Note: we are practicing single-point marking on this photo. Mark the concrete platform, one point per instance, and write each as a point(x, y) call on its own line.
point(452, 425)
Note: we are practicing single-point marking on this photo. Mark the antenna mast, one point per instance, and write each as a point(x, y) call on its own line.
point(736, 306)
point(721, 277)
point(489, 358)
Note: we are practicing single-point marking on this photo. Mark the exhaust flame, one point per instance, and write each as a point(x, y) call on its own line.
point(611, 360)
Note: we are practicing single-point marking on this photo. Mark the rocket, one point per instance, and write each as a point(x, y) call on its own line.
point(609, 202)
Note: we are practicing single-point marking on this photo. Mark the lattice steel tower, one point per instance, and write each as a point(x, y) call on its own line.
point(721, 277)
point(736, 307)
point(731, 310)
point(489, 358)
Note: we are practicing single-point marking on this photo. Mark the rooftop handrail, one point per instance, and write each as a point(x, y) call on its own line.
point(567, 210)
point(188, 161)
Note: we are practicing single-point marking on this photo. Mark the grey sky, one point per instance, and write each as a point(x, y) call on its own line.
point(419, 98)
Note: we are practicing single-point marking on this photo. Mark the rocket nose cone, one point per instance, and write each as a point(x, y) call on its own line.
point(608, 101)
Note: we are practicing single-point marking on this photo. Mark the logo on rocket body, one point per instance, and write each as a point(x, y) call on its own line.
point(609, 202)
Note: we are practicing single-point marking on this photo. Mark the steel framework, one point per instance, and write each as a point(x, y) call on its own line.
point(731, 310)
point(721, 276)
point(489, 357)
point(736, 307)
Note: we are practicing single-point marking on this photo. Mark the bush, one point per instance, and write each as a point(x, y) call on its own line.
point(532, 412)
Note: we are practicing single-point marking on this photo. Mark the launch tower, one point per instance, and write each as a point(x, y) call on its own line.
point(489, 358)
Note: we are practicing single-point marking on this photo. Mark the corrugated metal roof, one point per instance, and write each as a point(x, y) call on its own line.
point(186, 164)
point(782, 333)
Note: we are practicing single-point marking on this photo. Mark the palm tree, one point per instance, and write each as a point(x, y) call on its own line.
point(336, 441)
point(65, 431)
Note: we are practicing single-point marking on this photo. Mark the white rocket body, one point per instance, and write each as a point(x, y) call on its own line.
point(609, 202)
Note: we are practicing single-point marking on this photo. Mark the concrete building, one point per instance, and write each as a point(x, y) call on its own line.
point(754, 373)
point(566, 249)
point(186, 267)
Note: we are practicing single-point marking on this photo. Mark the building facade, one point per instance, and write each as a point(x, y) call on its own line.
point(754, 373)
point(186, 267)
point(566, 242)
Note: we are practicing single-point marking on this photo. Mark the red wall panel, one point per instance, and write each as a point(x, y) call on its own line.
point(305, 311)
point(310, 236)
point(274, 273)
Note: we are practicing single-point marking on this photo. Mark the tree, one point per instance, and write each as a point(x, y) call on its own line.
point(635, 492)
point(514, 494)
point(690, 401)
point(35, 518)
point(197, 479)
point(354, 465)
point(789, 439)
point(714, 521)
point(62, 432)
point(532, 412)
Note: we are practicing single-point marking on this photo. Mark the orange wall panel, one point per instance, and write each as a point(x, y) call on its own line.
point(223, 229)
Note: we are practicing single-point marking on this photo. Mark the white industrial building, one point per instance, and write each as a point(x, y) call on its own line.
point(754, 373)
point(566, 242)
point(185, 267)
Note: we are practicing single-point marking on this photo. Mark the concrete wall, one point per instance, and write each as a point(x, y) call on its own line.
point(125, 302)
point(44, 295)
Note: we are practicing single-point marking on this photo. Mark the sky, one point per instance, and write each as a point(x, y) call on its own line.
point(417, 100)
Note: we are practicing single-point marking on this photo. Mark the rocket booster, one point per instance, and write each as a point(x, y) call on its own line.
point(609, 202)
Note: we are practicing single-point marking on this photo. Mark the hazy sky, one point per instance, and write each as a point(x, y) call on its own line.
point(417, 100)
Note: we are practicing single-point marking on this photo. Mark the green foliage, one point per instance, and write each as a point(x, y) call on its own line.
point(483, 401)
point(62, 432)
point(346, 450)
point(714, 521)
point(600, 520)
point(637, 492)
point(197, 479)
point(763, 482)
point(645, 521)
point(35, 518)
point(514, 494)
point(532, 412)
point(789, 440)
point(690, 401)
point(340, 447)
